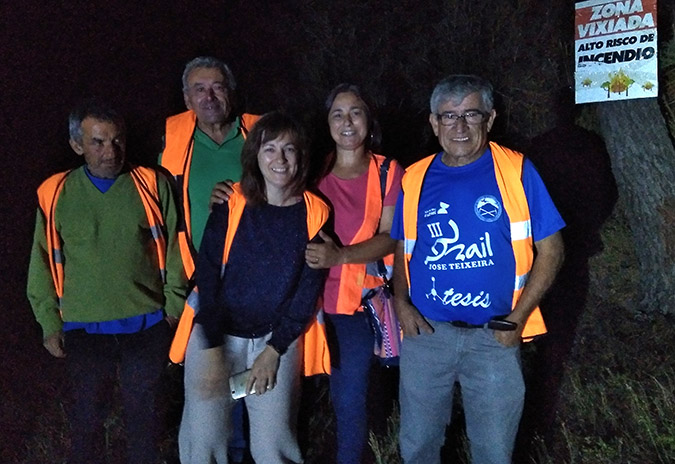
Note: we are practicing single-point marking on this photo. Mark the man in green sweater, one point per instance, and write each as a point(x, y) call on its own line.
point(106, 283)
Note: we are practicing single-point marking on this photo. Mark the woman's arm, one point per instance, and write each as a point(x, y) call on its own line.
point(207, 275)
point(299, 310)
point(291, 325)
point(329, 254)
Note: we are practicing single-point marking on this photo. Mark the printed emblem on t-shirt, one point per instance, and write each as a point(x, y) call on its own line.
point(488, 208)
point(442, 209)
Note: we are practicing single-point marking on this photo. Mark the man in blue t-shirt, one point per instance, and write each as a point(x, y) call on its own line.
point(468, 221)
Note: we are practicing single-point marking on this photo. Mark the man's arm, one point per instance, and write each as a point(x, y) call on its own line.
point(412, 322)
point(547, 262)
point(41, 292)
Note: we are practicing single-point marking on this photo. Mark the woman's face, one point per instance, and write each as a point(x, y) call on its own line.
point(348, 121)
point(278, 162)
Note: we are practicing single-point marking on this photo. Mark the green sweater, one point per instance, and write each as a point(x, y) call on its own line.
point(110, 259)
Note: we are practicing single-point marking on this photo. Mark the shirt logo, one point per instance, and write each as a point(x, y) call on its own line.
point(487, 208)
point(442, 209)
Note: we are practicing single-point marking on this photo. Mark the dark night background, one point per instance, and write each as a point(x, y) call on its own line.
point(133, 54)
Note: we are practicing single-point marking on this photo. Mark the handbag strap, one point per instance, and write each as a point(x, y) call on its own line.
point(384, 170)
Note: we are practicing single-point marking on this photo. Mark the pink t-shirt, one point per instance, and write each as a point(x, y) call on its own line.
point(348, 201)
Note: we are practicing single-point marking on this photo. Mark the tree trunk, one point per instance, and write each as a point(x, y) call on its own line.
point(643, 162)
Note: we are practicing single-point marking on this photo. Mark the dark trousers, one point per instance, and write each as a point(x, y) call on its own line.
point(94, 363)
point(350, 341)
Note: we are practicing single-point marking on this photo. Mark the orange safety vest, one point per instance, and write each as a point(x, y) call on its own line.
point(508, 171)
point(316, 350)
point(177, 159)
point(354, 278)
point(145, 180)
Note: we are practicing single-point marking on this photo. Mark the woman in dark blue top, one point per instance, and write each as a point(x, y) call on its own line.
point(256, 296)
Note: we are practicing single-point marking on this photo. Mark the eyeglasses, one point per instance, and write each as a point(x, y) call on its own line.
point(470, 117)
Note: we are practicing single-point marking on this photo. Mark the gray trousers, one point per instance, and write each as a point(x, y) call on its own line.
point(492, 386)
point(206, 424)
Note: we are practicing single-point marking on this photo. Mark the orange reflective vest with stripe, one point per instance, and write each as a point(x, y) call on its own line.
point(508, 166)
point(177, 159)
point(354, 278)
point(316, 351)
point(145, 180)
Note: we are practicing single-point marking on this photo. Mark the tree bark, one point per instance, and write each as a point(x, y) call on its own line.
point(643, 162)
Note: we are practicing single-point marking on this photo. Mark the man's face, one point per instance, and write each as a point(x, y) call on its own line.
point(103, 147)
point(463, 143)
point(207, 95)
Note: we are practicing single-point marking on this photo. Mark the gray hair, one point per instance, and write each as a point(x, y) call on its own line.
point(210, 62)
point(456, 87)
point(96, 109)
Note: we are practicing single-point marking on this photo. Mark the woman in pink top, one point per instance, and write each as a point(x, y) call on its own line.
point(351, 184)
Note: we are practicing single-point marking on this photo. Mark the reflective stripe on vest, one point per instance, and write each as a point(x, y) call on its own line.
point(317, 215)
point(177, 159)
point(356, 279)
point(145, 180)
point(508, 165)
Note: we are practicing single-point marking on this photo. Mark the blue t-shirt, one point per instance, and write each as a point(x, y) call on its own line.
point(463, 267)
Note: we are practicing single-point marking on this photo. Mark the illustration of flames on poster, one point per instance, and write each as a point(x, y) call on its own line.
point(615, 43)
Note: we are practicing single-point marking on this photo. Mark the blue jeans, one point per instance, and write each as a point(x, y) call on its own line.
point(351, 343)
point(492, 386)
point(236, 447)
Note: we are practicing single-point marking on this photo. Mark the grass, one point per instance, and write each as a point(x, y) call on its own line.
point(385, 447)
point(620, 418)
point(618, 404)
point(617, 401)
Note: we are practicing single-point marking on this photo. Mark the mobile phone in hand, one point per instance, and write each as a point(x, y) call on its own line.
point(238, 385)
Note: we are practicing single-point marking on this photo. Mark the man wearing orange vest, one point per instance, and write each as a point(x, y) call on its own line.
point(202, 147)
point(106, 282)
point(467, 281)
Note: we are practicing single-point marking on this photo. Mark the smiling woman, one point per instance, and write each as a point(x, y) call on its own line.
point(275, 161)
point(363, 215)
point(256, 296)
point(278, 163)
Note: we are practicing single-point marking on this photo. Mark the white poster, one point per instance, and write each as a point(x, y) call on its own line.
point(615, 43)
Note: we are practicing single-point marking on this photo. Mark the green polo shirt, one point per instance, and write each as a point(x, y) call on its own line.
point(211, 163)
